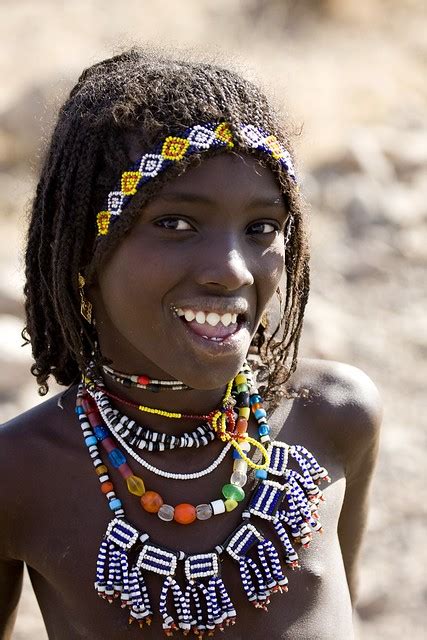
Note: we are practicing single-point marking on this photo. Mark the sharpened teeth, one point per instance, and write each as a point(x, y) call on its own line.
point(210, 318)
point(213, 319)
point(226, 319)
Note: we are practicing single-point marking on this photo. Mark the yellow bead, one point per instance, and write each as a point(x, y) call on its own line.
point(244, 412)
point(230, 504)
point(101, 470)
point(240, 379)
point(135, 485)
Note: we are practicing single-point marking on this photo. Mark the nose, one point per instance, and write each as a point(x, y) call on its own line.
point(225, 268)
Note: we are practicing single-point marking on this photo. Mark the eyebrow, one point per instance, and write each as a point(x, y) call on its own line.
point(267, 201)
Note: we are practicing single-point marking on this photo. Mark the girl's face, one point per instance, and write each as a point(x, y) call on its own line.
point(183, 294)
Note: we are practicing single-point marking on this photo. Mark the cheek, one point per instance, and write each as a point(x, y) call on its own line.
point(273, 263)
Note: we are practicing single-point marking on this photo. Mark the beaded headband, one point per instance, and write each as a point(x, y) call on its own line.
point(195, 139)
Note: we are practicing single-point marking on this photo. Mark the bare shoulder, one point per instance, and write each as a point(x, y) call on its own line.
point(346, 402)
point(30, 455)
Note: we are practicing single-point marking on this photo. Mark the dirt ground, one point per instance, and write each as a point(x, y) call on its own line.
point(352, 74)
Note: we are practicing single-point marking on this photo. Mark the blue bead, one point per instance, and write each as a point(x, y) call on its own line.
point(116, 457)
point(115, 504)
point(101, 432)
point(260, 413)
point(254, 399)
point(261, 474)
point(90, 440)
point(263, 430)
point(79, 411)
point(236, 454)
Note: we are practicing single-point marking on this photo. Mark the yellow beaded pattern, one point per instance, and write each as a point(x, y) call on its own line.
point(222, 433)
point(103, 222)
point(195, 139)
point(129, 182)
point(223, 132)
point(160, 412)
point(174, 148)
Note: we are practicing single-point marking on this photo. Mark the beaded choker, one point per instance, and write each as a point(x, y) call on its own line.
point(196, 139)
point(144, 382)
point(285, 497)
point(142, 437)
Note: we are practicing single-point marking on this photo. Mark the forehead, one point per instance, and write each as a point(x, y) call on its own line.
point(228, 175)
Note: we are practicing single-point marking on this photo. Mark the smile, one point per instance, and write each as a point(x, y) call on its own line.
point(211, 325)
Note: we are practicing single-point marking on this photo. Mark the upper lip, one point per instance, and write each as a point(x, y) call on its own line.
point(220, 306)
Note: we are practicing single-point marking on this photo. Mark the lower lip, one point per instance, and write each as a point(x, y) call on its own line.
point(233, 342)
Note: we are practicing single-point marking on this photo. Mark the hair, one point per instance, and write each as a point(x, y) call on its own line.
point(118, 109)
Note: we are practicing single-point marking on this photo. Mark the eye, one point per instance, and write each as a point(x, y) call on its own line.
point(262, 228)
point(173, 223)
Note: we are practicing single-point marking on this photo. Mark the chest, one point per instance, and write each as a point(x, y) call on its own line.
point(62, 544)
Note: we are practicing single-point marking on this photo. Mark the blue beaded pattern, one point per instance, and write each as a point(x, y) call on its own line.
point(202, 565)
point(245, 537)
point(266, 499)
point(278, 452)
point(122, 534)
point(158, 560)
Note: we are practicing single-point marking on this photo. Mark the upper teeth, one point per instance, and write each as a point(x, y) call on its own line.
point(211, 318)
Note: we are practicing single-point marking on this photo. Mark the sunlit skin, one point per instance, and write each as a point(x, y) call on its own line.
point(212, 237)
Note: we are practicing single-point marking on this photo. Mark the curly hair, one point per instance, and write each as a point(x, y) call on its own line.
point(119, 108)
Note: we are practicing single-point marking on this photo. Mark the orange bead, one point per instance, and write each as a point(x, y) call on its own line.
point(184, 513)
point(106, 487)
point(256, 406)
point(151, 501)
point(241, 426)
point(101, 470)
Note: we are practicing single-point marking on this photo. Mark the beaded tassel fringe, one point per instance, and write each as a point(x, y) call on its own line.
point(203, 604)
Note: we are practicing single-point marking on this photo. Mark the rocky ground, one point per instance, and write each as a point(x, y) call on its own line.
point(352, 73)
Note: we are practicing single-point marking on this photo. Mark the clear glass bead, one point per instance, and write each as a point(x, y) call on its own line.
point(238, 479)
point(166, 512)
point(204, 511)
point(240, 465)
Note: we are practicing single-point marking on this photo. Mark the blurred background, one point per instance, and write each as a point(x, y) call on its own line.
point(352, 75)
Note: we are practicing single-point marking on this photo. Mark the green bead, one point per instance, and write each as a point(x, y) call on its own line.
point(231, 492)
point(241, 387)
point(230, 505)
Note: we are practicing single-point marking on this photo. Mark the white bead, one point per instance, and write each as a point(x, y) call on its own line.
point(245, 446)
point(204, 511)
point(240, 465)
point(238, 479)
point(218, 507)
point(166, 512)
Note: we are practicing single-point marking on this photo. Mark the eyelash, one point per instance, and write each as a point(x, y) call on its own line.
point(163, 223)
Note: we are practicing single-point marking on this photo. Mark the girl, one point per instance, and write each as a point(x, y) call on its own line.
point(166, 218)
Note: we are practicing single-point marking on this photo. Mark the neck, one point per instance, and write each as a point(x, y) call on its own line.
point(192, 401)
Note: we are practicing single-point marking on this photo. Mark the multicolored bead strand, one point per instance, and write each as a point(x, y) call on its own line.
point(289, 503)
point(185, 513)
point(144, 382)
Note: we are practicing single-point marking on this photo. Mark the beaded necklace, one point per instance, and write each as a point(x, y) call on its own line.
point(290, 499)
point(144, 382)
point(141, 437)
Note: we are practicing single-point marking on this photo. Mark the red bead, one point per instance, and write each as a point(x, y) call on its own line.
point(106, 487)
point(151, 501)
point(241, 426)
point(125, 470)
point(184, 513)
point(143, 380)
